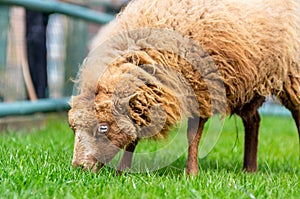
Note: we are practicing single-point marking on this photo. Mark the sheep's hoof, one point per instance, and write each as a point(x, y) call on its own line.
point(122, 172)
point(119, 173)
point(192, 171)
point(250, 169)
point(122, 169)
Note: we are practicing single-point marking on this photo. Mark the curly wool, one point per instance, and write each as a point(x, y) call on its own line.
point(254, 44)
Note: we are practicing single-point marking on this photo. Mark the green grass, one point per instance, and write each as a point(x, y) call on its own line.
point(38, 165)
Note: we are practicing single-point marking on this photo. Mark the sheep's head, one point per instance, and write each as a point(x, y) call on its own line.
point(127, 105)
point(97, 136)
point(89, 135)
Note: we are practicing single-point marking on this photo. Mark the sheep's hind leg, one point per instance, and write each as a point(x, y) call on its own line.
point(251, 121)
point(194, 132)
point(296, 116)
point(126, 160)
point(295, 110)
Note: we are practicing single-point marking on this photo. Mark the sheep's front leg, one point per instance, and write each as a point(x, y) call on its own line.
point(194, 132)
point(251, 125)
point(126, 160)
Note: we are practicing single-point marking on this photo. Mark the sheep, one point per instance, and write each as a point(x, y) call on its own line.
point(163, 60)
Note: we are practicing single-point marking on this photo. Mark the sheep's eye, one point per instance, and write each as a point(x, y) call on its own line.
point(103, 128)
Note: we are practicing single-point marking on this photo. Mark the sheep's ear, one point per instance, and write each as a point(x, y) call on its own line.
point(147, 112)
point(148, 104)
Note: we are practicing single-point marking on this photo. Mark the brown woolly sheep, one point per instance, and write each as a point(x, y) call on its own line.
point(132, 88)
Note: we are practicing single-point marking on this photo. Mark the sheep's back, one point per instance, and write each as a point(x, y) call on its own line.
point(255, 44)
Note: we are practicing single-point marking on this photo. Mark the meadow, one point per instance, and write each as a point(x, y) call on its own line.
point(37, 164)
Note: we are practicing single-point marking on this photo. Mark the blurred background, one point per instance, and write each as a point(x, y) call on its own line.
point(42, 44)
point(67, 43)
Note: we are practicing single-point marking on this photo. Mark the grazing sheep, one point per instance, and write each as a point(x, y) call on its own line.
point(250, 51)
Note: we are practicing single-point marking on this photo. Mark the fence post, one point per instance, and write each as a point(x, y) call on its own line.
point(75, 51)
point(4, 25)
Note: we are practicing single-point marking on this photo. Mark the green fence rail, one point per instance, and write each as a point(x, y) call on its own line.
point(62, 104)
point(30, 107)
point(62, 8)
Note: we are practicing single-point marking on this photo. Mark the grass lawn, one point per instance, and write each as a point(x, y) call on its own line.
point(38, 165)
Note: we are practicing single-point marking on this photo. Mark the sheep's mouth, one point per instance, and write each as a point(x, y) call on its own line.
point(93, 165)
point(97, 166)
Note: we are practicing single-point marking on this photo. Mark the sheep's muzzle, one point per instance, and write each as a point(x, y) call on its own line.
point(92, 165)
